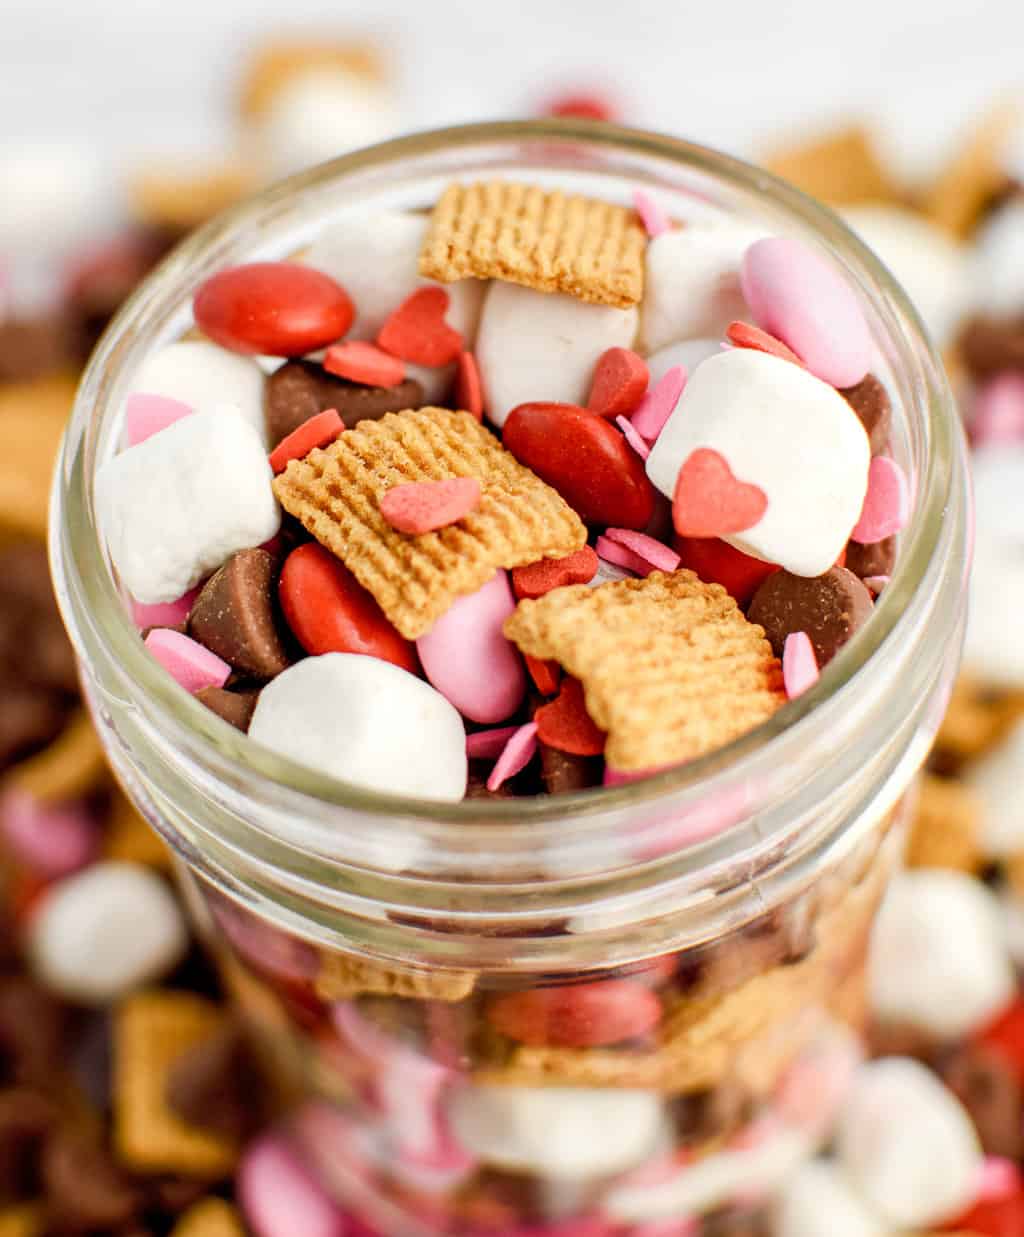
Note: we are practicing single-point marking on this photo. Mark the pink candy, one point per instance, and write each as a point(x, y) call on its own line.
point(611, 552)
point(797, 295)
point(488, 744)
point(280, 1199)
point(799, 665)
point(146, 415)
point(998, 412)
point(655, 553)
point(187, 661)
point(659, 403)
point(652, 216)
point(886, 504)
point(635, 440)
point(999, 1178)
point(163, 614)
point(516, 755)
point(53, 840)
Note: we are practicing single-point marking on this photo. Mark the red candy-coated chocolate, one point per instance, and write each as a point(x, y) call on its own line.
point(545, 674)
point(585, 459)
point(744, 335)
point(276, 308)
point(710, 501)
point(425, 506)
point(417, 331)
point(992, 1217)
point(619, 383)
point(588, 105)
point(576, 1016)
point(717, 562)
point(566, 725)
point(1005, 1036)
point(319, 431)
point(469, 393)
point(359, 361)
point(529, 583)
point(329, 611)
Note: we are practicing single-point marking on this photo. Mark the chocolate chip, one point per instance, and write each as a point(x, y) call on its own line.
point(989, 345)
point(29, 720)
point(871, 560)
point(34, 647)
point(235, 707)
point(26, 1118)
point(175, 1194)
point(476, 788)
point(829, 608)
point(564, 773)
point(32, 347)
point(870, 401)
point(737, 1223)
point(85, 1189)
point(32, 1025)
point(988, 1088)
point(233, 616)
point(213, 1085)
point(301, 389)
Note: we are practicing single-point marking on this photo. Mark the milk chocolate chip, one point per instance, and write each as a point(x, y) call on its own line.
point(233, 616)
point(829, 608)
point(301, 389)
point(870, 401)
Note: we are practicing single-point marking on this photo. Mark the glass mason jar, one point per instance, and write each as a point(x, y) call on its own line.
point(593, 1013)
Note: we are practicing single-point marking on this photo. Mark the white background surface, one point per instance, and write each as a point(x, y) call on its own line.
point(145, 75)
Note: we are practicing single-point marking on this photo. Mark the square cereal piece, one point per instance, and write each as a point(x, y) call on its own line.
point(945, 827)
point(841, 167)
point(151, 1030)
point(210, 1217)
point(336, 494)
point(670, 667)
point(584, 247)
point(343, 976)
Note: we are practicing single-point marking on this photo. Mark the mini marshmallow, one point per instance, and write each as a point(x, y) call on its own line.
point(906, 1144)
point(54, 194)
point(108, 929)
point(367, 722)
point(542, 347)
point(997, 780)
point(692, 283)
point(203, 375)
point(177, 506)
point(998, 274)
point(561, 1132)
point(939, 959)
point(818, 1190)
point(1011, 907)
point(780, 428)
point(688, 354)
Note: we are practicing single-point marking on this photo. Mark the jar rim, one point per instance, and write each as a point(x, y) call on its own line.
point(90, 598)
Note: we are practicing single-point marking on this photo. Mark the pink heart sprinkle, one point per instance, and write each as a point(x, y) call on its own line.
point(488, 744)
point(659, 403)
point(280, 1198)
point(875, 584)
point(163, 614)
point(652, 216)
point(886, 505)
point(186, 660)
point(799, 665)
point(998, 411)
point(425, 506)
point(146, 415)
point(632, 436)
point(660, 556)
point(611, 552)
point(516, 755)
point(51, 839)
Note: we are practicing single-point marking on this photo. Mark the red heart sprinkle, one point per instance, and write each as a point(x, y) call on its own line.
point(469, 395)
point(319, 431)
point(566, 724)
point(425, 506)
point(710, 502)
point(417, 331)
point(743, 335)
point(545, 674)
point(361, 362)
point(619, 383)
point(529, 583)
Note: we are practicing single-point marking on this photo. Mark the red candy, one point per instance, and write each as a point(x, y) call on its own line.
point(585, 104)
point(275, 308)
point(545, 674)
point(319, 431)
point(744, 335)
point(710, 502)
point(619, 384)
point(576, 1016)
point(359, 361)
point(329, 611)
point(529, 583)
point(417, 331)
point(469, 394)
point(425, 506)
point(993, 1217)
point(717, 562)
point(585, 459)
point(1005, 1036)
point(566, 725)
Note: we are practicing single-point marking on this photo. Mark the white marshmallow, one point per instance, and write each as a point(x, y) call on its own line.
point(202, 375)
point(569, 1132)
point(54, 195)
point(780, 428)
point(104, 931)
point(998, 780)
point(906, 1144)
point(365, 721)
point(178, 505)
point(1012, 909)
point(540, 346)
point(939, 959)
point(993, 648)
point(692, 282)
point(999, 261)
point(689, 353)
point(817, 1192)
point(933, 269)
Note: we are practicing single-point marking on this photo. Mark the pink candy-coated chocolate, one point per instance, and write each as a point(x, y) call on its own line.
point(425, 506)
point(705, 819)
point(280, 1198)
point(466, 657)
point(631, 435)
point(186, 660)
point(812, 1090)
point(998, 1178)
point(51, 840)
point(163, 614)
point(660, 556)
point(146, 415)
point(516, 755)
point(800, 297)
point(998, 411)
point(266, 948)
point(799, 665)
point(659, 403)
point(488, 744)
point(886, 504)
point(652, 216)
point(611, 552)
